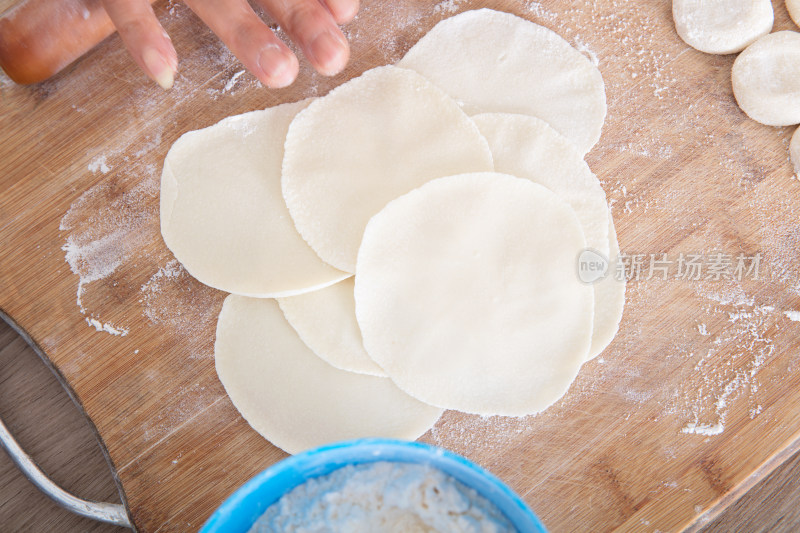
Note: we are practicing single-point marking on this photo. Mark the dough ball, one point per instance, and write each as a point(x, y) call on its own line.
point(223, 214)
point(326, 322)
point(493, 62)
point(794, 151)
point(527, 147)
point(722, 26)
point(609, 299)
point(367, 142)
point(468, 297)
point(295, 399)
point(794, 10)
point(766, 79)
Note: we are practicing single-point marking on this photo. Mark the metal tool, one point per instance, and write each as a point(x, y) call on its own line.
point(111, 513)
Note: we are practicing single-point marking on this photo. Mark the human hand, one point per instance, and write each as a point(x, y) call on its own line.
point(312, 24)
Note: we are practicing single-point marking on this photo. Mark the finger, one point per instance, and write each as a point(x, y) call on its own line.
point(235, 22)
point(313, 28)
point(343, 11)
point(145, 39)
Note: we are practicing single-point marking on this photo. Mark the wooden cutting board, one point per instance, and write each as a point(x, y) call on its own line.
point(685, 171)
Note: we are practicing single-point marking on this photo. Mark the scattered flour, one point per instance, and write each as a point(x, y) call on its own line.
point(99, 164)
point(104, 228)
point(173, 298)
point(232, 81)
point(540, 12)
point(108, 328)
point(730, 365)
point(794, 316)
point(703, 429)
point(92, 260)
point(447, 6)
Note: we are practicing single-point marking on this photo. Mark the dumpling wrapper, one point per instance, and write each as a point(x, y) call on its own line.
point(609, 298)
point(527, 147)
point(326, 322)
point(295, 399)
point(222, 209)
point(367, 142)
point(468, 297)
point(495, 62)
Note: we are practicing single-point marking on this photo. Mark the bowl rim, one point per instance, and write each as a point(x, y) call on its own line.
point(242, 508)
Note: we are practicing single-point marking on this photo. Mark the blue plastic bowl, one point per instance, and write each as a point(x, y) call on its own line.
point(241, 510)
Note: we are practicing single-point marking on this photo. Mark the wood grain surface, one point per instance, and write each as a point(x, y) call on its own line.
point(685, 171)
point(45, 420)
point(47, 425)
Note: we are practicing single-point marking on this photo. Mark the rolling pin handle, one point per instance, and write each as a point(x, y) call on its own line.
point(39, 38)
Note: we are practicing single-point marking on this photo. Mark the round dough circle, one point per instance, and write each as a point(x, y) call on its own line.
point(766, 79)
point(794, 151)
point(295, 399)
point(609, 298)
point(326, 322)
point(223, 214)
point(468, 297)
point(722, 26)
point(494, 62)
point(794, 10)
point(527, 147)
point(367, 142)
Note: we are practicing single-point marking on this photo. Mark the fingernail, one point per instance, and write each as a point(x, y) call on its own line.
point(158, 68)
point(276, 66)
point(329, 52)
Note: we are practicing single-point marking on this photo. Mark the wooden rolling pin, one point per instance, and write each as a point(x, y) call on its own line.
point(38, 38)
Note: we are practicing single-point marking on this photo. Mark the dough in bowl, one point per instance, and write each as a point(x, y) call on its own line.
point(722, 26)
point(223, 214)
point(367, 142)
point(295, 399)
point(494, 62)
point(468, 297)
point(326, 322)
point(766, 79)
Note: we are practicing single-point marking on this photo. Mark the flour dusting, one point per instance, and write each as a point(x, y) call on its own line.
point(447, 6)
point(99, 164)
point(93, 260)
point(704, 429)
point(233, 80)
point(730, 364)
point(104, 229)
point(173, 298)
point(108, 328)
point(794, 316)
